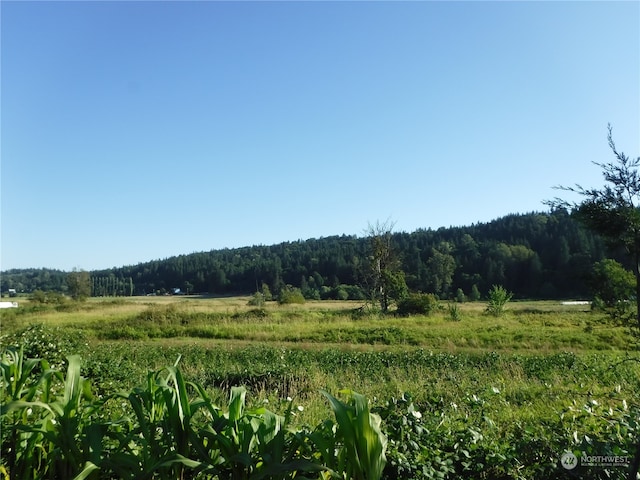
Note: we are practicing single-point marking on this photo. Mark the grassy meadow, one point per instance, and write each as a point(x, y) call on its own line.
point(505, 396)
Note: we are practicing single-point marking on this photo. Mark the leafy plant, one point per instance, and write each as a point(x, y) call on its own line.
point(498, 299)
point(46, 432)
point(156, 440)
point(417, 304)
point(358, 447)
point(411, 455)
point(252, 444)
point(39, 341)
point(289, 295)
point(454, 312)
point(257, 300)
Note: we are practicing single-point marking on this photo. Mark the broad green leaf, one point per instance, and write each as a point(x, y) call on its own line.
point(236, 403)
point(86, 471)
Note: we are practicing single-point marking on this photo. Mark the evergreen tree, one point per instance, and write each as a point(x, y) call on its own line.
point(613, 211)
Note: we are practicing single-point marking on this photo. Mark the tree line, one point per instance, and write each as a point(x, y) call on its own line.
point(533, 255)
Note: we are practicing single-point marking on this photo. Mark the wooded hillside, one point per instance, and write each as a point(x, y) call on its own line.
point(534, 255)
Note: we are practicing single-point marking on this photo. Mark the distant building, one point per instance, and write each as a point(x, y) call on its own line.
point(12, 292)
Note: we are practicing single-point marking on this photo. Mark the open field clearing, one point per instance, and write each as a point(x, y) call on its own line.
point(495, 397)
point(527, 326)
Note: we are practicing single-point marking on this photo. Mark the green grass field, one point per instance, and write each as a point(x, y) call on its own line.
point(542, 379)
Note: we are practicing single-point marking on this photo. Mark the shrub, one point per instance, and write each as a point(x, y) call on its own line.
point(474, 296)
point(289, 295)
point(266, 292)
point(454, 312)
point(612, 283)
point(355, 292)
point(256, 300)
point(311, 294)
point(417, 304)
point(162, 315)
point(341, 294)
point(56, 298)
point(498, 299)
point(40, 341)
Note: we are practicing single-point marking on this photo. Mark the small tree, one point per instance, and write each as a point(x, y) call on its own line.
point(611, 283)
point(613, 287)
point(266, 292)
point(498, 299)
point(79, 283)
point(474, 296)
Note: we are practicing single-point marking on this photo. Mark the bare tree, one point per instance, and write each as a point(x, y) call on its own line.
point(385, 277)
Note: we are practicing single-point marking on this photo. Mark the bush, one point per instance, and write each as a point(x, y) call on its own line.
point(289, 295)
point(498, 299)
point(40, 341)
point(417, 304)
point(341, 294)
point(454, 312)
point(311, 294)
point(256, 300)
point(54, 298)
point(611, 283)
point(474, 296)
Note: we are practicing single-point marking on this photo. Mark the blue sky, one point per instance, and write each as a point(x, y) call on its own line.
point(138, 131)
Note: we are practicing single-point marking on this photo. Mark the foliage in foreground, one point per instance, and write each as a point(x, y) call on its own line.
point(53, 427)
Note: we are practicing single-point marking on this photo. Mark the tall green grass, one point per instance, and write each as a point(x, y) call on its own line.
point(525, 326)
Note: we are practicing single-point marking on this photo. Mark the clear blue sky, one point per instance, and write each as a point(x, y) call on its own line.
point(138, 131)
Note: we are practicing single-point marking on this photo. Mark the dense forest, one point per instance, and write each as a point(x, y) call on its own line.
point(534, 255)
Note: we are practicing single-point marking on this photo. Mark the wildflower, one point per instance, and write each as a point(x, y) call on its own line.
point(495, 390)
point(289, 399)
point(300, 408)
point(416, 414)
